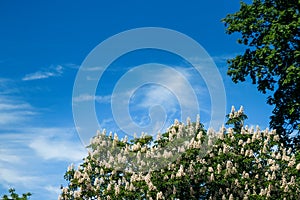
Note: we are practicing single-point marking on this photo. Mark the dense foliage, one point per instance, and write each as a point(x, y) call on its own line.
point(14, 196)
point(228, 164)
point(270, 30)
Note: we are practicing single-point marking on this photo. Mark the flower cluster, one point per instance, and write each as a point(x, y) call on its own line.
point(187, 162)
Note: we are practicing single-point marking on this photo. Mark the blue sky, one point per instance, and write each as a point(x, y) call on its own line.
point(42, 46)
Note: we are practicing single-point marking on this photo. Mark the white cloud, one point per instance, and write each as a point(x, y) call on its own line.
point(175, 90)
point(6, 106)
point(7, 87)
point(35, 158)
point(3, 81)
point(14, 111)
point(87, 97)
point(10, 118)
point(155, 95)
point(224, 57)
point(53, 189)
point(51, 72)
point(92, 69)
point(105, 123)
point(221, 58)
point(16, 177)
point(155, 98)
point(65, 140)
point(64, 150)
point(72, 66)
point(14, 160)
point(8, 157)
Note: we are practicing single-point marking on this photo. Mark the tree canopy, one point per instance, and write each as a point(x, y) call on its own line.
point(270, 31)
point(14, 196)
point(248, 164)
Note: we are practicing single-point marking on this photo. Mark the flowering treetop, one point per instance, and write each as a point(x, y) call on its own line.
point(188, 162)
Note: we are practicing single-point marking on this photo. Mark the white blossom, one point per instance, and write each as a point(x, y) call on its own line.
point(210, 169)
point(298, 167)
point(180, 172)
point(159, 196)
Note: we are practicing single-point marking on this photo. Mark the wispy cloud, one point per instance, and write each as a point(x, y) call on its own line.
point(4, 106)
point(92, 69)
point(43, 74)
point(157, 100)
point(181, 88)
point(15, 177)
point(7, 86)
point(14, 111)
point(8, 157)
point(106, 123)
point(224, 57)
point(218, 59)
point(72, 66)
point(35, 158)
point(4, 80)
point(14, 117)
point(14, 159)
point(53, 189)
point(66, 148)
point(87, 97)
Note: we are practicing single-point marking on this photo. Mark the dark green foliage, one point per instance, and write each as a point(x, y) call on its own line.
point(14, 196)
point(270, 30)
